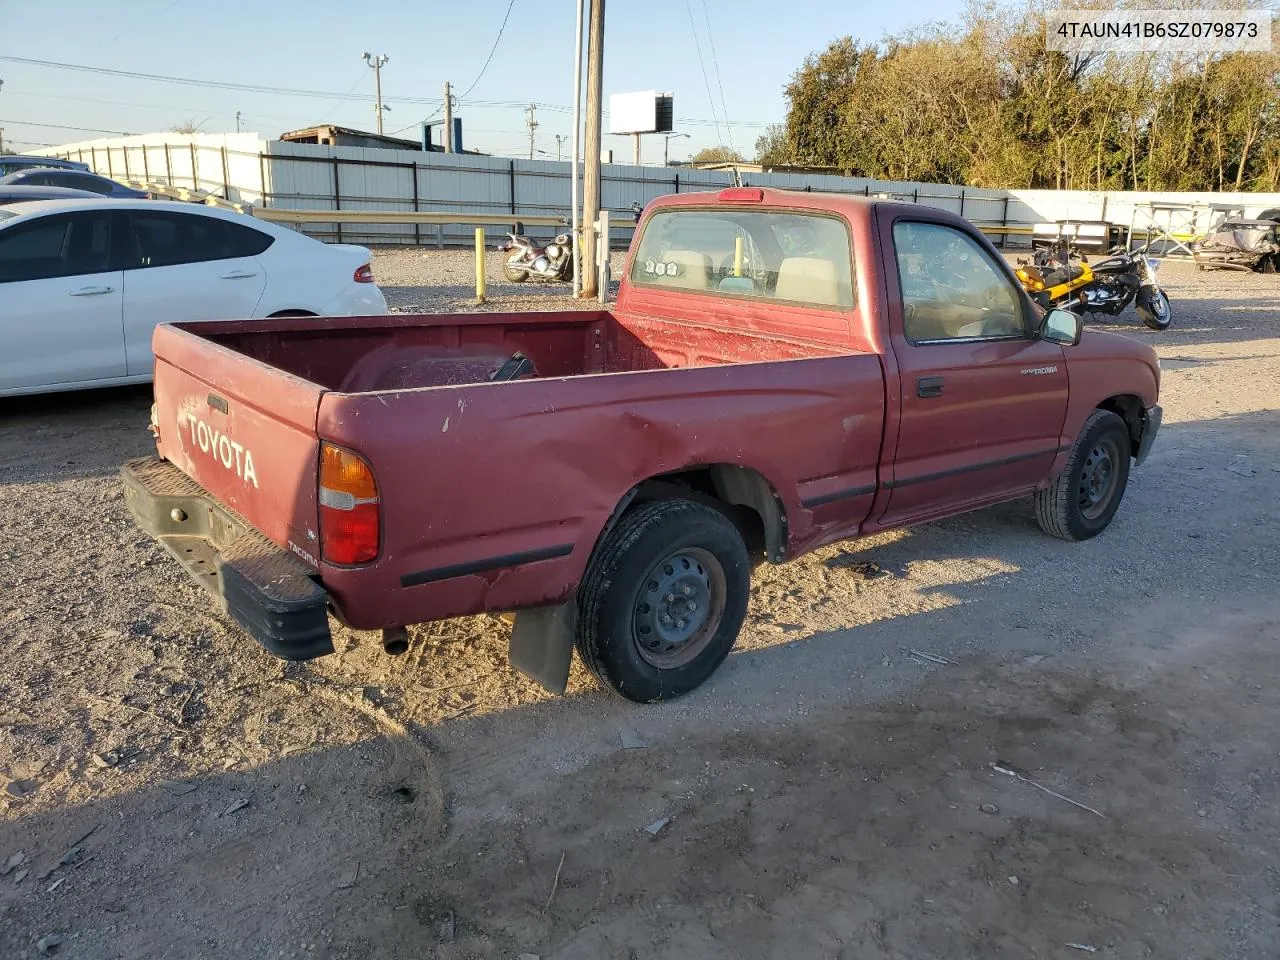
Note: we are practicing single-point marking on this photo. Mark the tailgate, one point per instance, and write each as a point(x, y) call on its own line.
point(244, 430)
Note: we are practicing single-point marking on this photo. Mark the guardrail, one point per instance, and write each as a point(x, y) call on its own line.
point(284, 215)
point(185, 194)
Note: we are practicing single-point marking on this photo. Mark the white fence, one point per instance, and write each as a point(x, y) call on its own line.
point(246, 168)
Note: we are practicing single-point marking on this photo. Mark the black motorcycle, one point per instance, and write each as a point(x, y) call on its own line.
point(527, 260)
point(1122, 278)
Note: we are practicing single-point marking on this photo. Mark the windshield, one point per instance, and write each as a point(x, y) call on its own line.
point(776, 255)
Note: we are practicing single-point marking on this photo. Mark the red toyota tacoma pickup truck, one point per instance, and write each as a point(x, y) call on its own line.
point(782, 370)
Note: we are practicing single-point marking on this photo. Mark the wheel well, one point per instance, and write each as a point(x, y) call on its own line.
point(290, 313)
point(1130, 409)
point(743, 494)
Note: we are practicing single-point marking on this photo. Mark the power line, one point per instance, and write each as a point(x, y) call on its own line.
point(168, 108)
point(337, 103)
point(702, 65)
point(63, 126)
point(492, 51)
point(724, 108)
point(188, 81)
point(333, 94)
point(487, 60)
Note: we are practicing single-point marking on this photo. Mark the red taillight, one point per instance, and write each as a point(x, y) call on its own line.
point(349, 515)
point(364, 274)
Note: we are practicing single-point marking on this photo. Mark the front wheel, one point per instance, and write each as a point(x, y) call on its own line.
point(1082, 500)
point(513, 272)
point(1153, 307)
point(663, 600)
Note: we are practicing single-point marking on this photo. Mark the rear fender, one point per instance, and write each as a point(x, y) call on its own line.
point(542, 639)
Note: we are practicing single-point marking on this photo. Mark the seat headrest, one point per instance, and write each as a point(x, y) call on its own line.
point(808, 280)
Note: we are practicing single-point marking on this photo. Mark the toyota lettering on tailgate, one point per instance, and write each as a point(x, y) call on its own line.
point(222, 449)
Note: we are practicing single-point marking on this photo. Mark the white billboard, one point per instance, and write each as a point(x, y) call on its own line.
point(644, 111)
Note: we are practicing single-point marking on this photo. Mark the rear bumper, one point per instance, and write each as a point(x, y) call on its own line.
point(1149, 431)
point(265, 589)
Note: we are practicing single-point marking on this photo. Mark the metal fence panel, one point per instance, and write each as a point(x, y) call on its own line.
point(246, 168)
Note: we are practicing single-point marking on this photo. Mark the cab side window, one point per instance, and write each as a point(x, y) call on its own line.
point(951, 289)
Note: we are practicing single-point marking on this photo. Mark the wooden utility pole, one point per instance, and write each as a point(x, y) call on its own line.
point(532, 124)
point(592, 148)
point(448, 119)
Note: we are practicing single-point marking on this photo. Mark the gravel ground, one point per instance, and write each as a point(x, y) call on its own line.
point(169, 790)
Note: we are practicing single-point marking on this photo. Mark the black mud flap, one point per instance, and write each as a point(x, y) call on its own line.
point(542, 644)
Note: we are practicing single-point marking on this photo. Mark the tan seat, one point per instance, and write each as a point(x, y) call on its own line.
point(694, 270)
point(808, 280)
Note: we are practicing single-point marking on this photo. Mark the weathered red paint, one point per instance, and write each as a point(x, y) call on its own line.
point(816, 402)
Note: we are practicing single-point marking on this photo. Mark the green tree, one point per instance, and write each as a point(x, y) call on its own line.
point(818, 100)
point(720, 154)
point(772, 148)
point(989, 104)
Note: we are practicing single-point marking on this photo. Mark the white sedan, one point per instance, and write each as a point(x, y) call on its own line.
point(83, 283)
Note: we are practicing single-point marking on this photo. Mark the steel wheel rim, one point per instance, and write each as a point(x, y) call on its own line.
point(678, 608)
point(1160, 305)
point(1099, 479)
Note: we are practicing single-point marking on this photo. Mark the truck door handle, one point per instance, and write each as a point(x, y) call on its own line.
point(91, 291)
point(927, 387)
point(238, 274)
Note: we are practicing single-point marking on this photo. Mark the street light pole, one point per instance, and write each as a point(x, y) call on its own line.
point(666, 146)
point(377, 61)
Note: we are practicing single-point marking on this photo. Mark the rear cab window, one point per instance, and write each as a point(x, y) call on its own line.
point(796, 257)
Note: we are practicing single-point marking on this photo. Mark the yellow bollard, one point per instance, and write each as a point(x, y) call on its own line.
point(479, 265)
point(737, 256)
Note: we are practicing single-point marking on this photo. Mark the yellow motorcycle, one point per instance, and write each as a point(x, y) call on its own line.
point(1060, 276)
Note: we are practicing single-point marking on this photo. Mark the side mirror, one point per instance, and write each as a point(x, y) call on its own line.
point(1061, 326)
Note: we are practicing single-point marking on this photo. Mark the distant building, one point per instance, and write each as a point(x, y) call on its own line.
point(331, 135)
point(328, 134)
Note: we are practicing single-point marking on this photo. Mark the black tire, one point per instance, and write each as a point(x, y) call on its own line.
point(690, 551)
point(1073, 507)
point(1272, 213)
point(513, 273)
point(1153, 307)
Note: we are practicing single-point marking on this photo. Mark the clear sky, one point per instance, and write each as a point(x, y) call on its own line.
point(317, 45)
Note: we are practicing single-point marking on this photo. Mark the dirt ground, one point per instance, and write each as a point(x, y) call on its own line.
point(168, 790)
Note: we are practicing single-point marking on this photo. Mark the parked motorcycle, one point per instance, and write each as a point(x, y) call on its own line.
point(527, 260)
point(1061, 276)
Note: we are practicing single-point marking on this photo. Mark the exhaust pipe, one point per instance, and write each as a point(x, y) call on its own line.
point(395, 640)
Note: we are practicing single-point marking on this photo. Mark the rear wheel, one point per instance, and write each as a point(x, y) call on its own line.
point(1153, 307)
point(663, 600)
point(1082, 500)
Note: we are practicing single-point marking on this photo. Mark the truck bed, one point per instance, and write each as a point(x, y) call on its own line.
point(399, 352)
